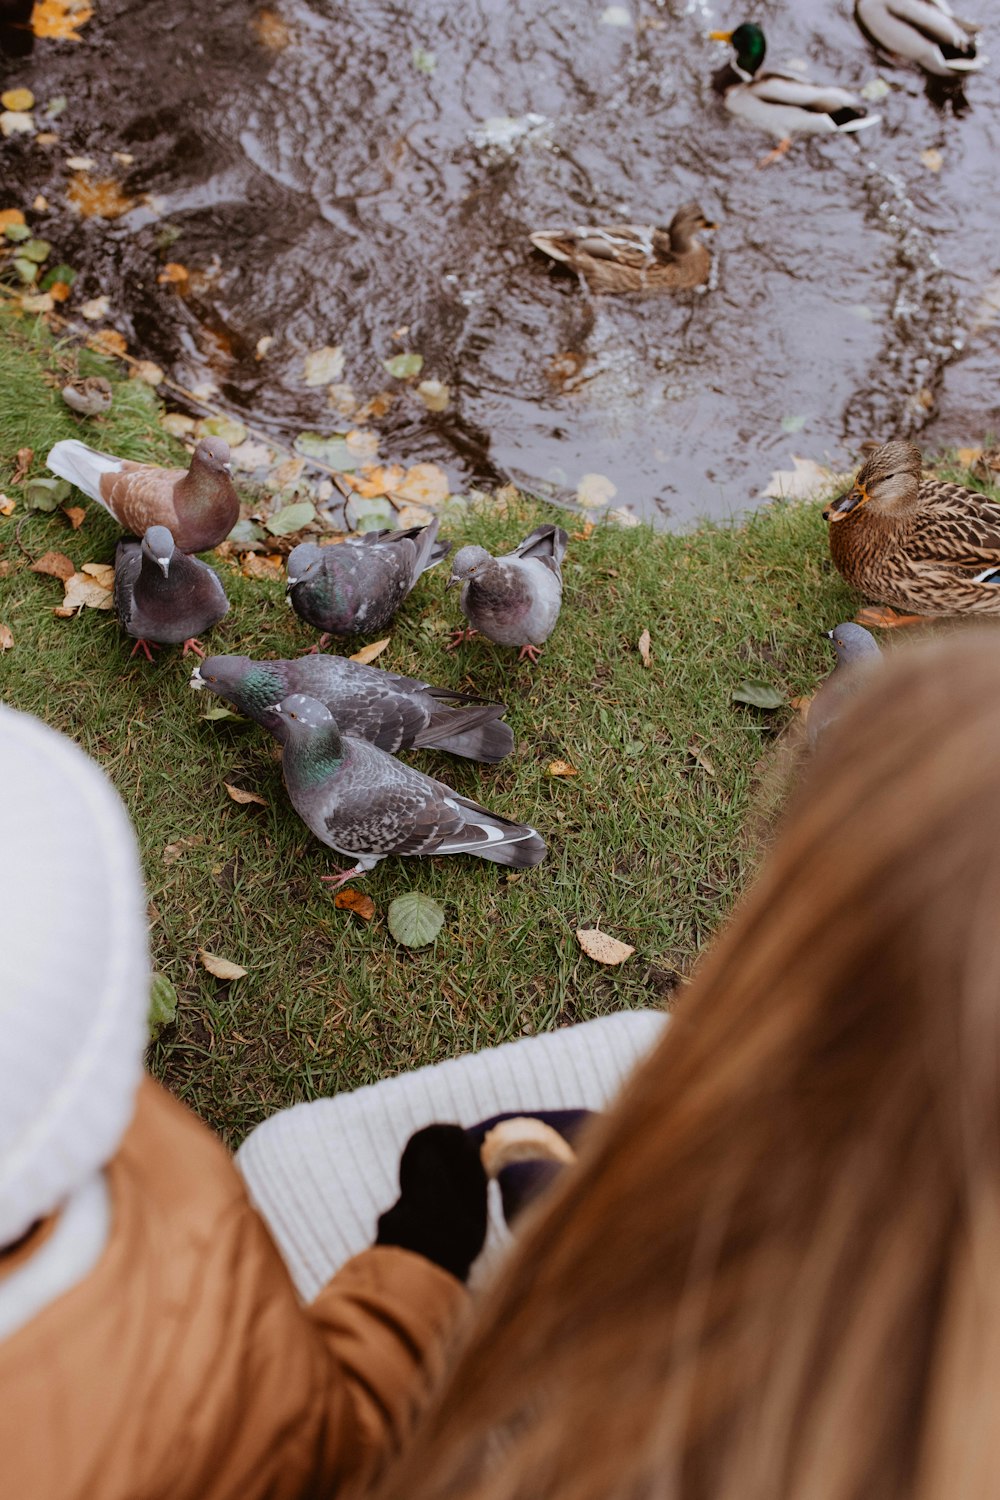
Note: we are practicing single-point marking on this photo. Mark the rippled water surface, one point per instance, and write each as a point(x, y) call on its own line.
point(339, 175)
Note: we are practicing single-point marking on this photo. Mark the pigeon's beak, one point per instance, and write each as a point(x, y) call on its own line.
point(843, 507)
point(452, 581)
point(227, 469)
point(163, 563)
point(826, 634)
point(196, 680)
point(720, 36)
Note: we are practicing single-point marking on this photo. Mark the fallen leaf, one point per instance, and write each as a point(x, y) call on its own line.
point(40, 204)
point(55, 564)
point(46, 494)
point(323, 366)
point(18, 99)
point(758, 695)
point(162, 1003)
point(16, 122)
point(801, 705)
point(41, 302)
point(793, 423)
point(173, 274)
point(89, 589)
point(413, 515)
point(363, 443)
point(81, 163)
point(271, 30)
point(874, 89)
point(350, 899)
point(603, 949)
point(585, 533)
point(643, 649)
point(145, 369)
point(404, 366)
point(177, 423)
point(415, 919)
point(46, 138)
point(287, 473)
point(98, 198)
point(425, 484)
point(125, 157)
point(698, 753)
point(7, 505)
point(424, 61)
point(560, 768)
point(95, 309)
point(434, 394)
point(24, 457)
point(595, 490)
point(242, 797)
point(377, 481)
point(806, 479)
point(249, 456)
point(369, 653)
point(255, 566)
point(932, 159)
point(6, 638)
point(221, 968)
point(229, 429)
point(219, 711)
point(60, 291)
point(60, 20)
point(616, 15)
point(332, 451)
point(173, 852)
point(966, 456)
point(10, 216)
point(75, 515)
point(107, 341)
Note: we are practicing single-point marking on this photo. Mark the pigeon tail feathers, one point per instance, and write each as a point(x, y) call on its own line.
point(478, 733)
point(83, 466)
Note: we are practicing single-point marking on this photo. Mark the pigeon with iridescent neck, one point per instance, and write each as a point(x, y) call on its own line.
point(364, 803)
point(162, 596)
point(393, 712)
point(198, 505)
point(515, 599)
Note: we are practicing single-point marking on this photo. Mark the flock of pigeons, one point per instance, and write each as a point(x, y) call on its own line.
point(338, 721)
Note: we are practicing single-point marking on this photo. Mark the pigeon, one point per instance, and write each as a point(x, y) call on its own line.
point(392, 712)
point(365, 803)
point(90, 396)
point(163, 596)
point(199, 505)
point(355, 587)
point(513, 600)
point(857, 652)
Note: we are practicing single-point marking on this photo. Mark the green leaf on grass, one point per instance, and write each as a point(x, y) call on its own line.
point(291, 518)
point(758, 695)
point(46, 494)
point(26, 269)
point(17, 232)
point(332, 451)
point(162, 1003)
point(246, 534)
point(228, 429)
point(219, 712)
point(415, 919)
point(36, 250)
point(404, 366)
point(425, 61)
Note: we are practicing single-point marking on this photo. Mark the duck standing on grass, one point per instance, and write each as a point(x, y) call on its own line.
point(515, 599)
point(925, 32)
point(780, 102)
point(634, 257)
point(915, 542)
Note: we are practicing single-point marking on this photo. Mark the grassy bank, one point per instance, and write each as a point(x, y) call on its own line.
point(647, 841)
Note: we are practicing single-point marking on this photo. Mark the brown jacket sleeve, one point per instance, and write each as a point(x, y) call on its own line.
point(184, 1364)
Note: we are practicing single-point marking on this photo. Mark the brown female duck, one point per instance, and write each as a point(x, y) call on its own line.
point(915, 542)
point(634, 257)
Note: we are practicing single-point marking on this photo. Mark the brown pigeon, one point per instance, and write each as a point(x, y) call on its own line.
point(199, 506)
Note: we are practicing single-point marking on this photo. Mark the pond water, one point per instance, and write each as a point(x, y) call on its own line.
point(336, 175)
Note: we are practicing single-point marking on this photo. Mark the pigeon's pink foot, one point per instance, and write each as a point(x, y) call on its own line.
point(193, 644)
point(459, 637)
point(342, 876)
point(529, 653)
point(324, 640)
point(144, 646)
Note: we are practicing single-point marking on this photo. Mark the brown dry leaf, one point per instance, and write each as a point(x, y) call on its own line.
point(221, 968)
point(601, 948)
point(697, 752)
point(369, 653)
point(643, 649)
point(60, 291)
point(242, 797)
point(6, 638)
point(968, 456)
point(425, 484)
point(173, 273)
point(356, 901)
point(10, 216)
point(75, 515)
point(56, 564)
point(107, 341)
point(586, 531)
point(145, 369)
point(255, 566)
point(60, 20)
point(801, 705)
point(560, 768)
point(7, 505)
point(90, 589)
point(98, 198)
point(376, 407)
point(24, 457)
point(173, 852)
point(271, 30)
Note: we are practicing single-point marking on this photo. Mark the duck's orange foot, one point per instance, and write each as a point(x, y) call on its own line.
point(193, 644)
point(882, 617)
point(529, 653)
point(780, 150)
point(144, 646)
point(459, 637)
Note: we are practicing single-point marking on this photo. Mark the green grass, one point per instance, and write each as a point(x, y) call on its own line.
point(645, 842)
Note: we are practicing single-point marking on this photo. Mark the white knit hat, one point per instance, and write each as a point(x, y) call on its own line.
point(74, 967)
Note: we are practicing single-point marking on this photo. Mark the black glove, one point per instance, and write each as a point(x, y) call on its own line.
point(441, 1209)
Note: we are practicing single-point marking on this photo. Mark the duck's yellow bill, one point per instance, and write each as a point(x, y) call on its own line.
point(720, 36)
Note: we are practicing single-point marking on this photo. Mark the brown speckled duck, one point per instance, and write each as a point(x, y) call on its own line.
point(634, 257)
point(915, 542)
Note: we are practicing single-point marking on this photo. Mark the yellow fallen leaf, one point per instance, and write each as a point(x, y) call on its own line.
point(434, 394)
point(100, 198)
point(242, 797)
point(6, 638)
point(560, 768)
point(95, 309)
point(46, 138)
point(262, 345)
point(356, 901)
point(413, 515)
point(967, 456)
point(288, 473)
point(177, 423)
point(10, 216)
point(801, 705)
point(87, 589)
point(60, 291)
point(322, 366)
point(37, 302)
point(643, 649)
point(55, 564)
point(221, 968)
point(107, 341)
point(60, 20)
point(255, 566)
point(102, 573)
point(145, 369)
point(18, 99)
point(601, 948)
point(932, 159)
point(7, 505)
point(271, 30)
point(585, 533)
point(425, 484)
point(369, 653)
point(375, 481)
point(595, 490)
point(173, 273)
point(362, 443)
point(75, 515)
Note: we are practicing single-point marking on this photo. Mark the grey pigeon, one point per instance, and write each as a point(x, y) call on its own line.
point(164, 597)
point(857, 653)
point(365, 803)
point(199, 505)
point(393, 712)
point(355, 587)
point(513, 600)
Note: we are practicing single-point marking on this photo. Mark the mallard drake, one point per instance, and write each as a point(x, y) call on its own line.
point(779, 102)
point(634, 257)
point(926, 32)
point(915, 542)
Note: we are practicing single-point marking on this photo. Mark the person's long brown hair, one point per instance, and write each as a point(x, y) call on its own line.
point(776, 1273)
